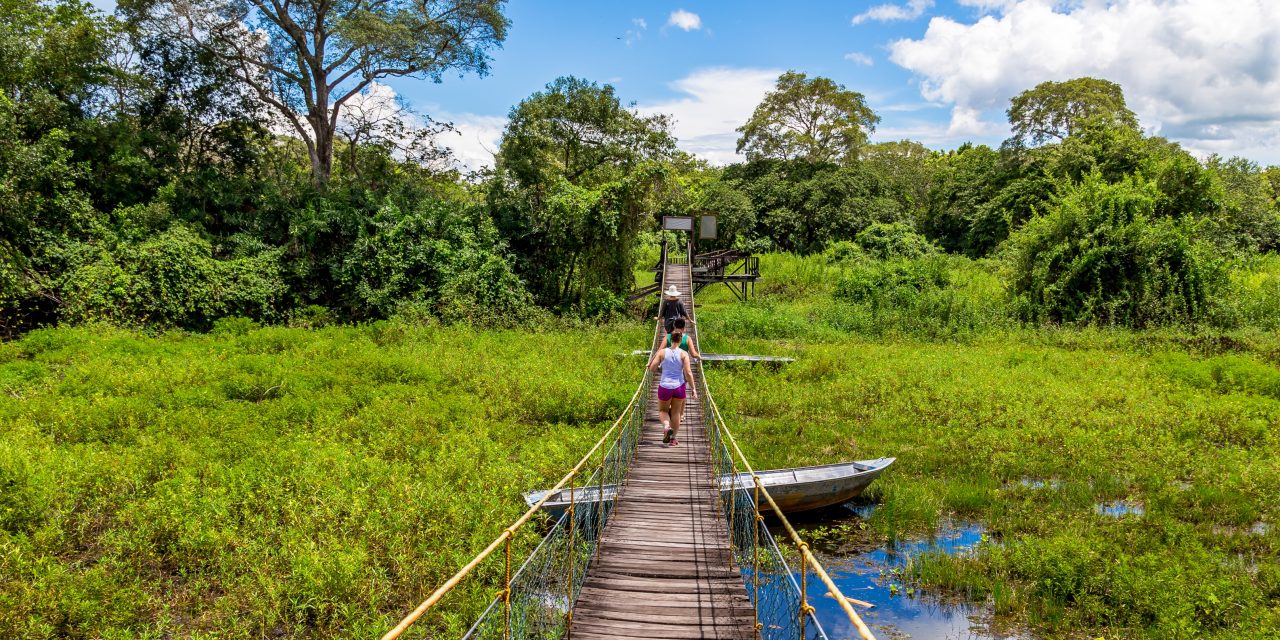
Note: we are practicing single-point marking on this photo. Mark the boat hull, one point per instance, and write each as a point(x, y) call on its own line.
point(794, 490)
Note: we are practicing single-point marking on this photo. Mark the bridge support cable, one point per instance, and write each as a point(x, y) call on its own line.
point(781, 605)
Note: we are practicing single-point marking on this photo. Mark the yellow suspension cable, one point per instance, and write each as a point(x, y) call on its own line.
point(510, 531)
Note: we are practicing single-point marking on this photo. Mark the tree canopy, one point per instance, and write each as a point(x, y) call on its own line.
point(576, 181)
point(308, 59)
point(1055, 110)
point(144, 180)
point(815, 120)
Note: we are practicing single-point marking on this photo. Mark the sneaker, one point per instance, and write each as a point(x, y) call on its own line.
point(667, 436)
point(675, 443)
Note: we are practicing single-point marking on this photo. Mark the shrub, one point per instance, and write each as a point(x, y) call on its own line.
point(1100, 255)
point(891, 281)
point(490, 294)
point(844, 251)
point(171, 279)
point(894, 240)
point(599, 302)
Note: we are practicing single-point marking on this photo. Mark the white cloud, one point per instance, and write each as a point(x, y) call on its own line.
point(890, 12)
point(860, 58)
point(472, 144)
point(686, 20)
point(1203, 72)
point(716, 101)
point(988, 5)
point(477, 138)
point(640, 22)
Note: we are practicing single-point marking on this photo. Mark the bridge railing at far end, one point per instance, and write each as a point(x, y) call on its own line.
point(781, 604)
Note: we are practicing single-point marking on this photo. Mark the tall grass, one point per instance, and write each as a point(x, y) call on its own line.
point(1185, 421)
point(274, 482)
point(281, 482)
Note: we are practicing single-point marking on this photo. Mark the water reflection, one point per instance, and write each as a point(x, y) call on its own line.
point(873, 575)
point(1120, 508)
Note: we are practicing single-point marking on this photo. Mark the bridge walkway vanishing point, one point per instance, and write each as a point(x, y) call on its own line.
point(665, 569)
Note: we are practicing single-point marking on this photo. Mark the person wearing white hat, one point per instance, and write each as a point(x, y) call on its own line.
point(672, 308)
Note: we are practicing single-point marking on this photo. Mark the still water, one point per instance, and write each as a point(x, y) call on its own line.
point(871, 574)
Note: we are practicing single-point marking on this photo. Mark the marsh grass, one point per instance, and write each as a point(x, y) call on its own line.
point(1183, 420)
point(305, 483)
point(273, 482)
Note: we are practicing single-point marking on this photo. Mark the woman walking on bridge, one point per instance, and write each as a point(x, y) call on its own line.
point(672, 363)
point(684, 342)
point(672, 308)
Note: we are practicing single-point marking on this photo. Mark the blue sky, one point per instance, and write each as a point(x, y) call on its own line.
point(1205, 73)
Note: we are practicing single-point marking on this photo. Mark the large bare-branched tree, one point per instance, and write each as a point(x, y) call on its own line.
point(308, 58)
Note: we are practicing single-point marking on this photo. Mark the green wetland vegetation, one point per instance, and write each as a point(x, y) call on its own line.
point(297, 482)
point(278, 482)
point(1027, 431)
point(258, 383)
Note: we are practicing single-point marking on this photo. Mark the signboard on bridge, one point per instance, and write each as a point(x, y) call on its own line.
point(677, 223)
point(707, 227)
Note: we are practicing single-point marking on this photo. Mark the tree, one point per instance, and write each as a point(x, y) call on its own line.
point(307, 59)
point(1054, 110)
point(905, 168)
point(817, 120)
point(804, 206)
point(577, 178)
point(51, 77)
point(578, 130)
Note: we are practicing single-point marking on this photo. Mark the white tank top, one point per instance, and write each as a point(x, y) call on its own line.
point(672, 369)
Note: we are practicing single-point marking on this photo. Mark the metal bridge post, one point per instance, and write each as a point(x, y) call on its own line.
point(573, 517)
point(733, 504)
point(506, 591)
point(805, 609)
point(755, 542)
point(600, 504)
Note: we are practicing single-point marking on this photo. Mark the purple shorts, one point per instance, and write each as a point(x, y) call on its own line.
point(665, 394)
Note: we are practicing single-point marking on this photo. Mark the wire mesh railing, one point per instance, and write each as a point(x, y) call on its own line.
point(536, 600)
point(781, 603)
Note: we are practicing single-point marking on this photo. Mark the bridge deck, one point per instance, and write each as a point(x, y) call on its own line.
point(664, 568)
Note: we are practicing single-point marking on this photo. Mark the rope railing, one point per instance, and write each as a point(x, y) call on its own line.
point(536, 600)
point(782, 606)
point(530, 600)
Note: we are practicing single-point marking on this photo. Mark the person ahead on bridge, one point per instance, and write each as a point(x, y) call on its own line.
point(672, 308)
point(683, 342)
point(672, 364)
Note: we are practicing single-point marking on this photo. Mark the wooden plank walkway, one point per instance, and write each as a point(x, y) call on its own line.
point(664, 570)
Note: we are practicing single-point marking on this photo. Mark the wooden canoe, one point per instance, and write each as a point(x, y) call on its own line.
point(795, 490)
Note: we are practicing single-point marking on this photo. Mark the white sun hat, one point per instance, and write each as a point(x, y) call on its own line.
point(673, 292)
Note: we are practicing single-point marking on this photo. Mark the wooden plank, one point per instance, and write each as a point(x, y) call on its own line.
point(688, 617)
point(661, 606)
point(616, 629)
point(601, 597)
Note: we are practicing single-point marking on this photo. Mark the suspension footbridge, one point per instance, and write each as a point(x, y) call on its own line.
point(679, 551)
point(668, 571)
